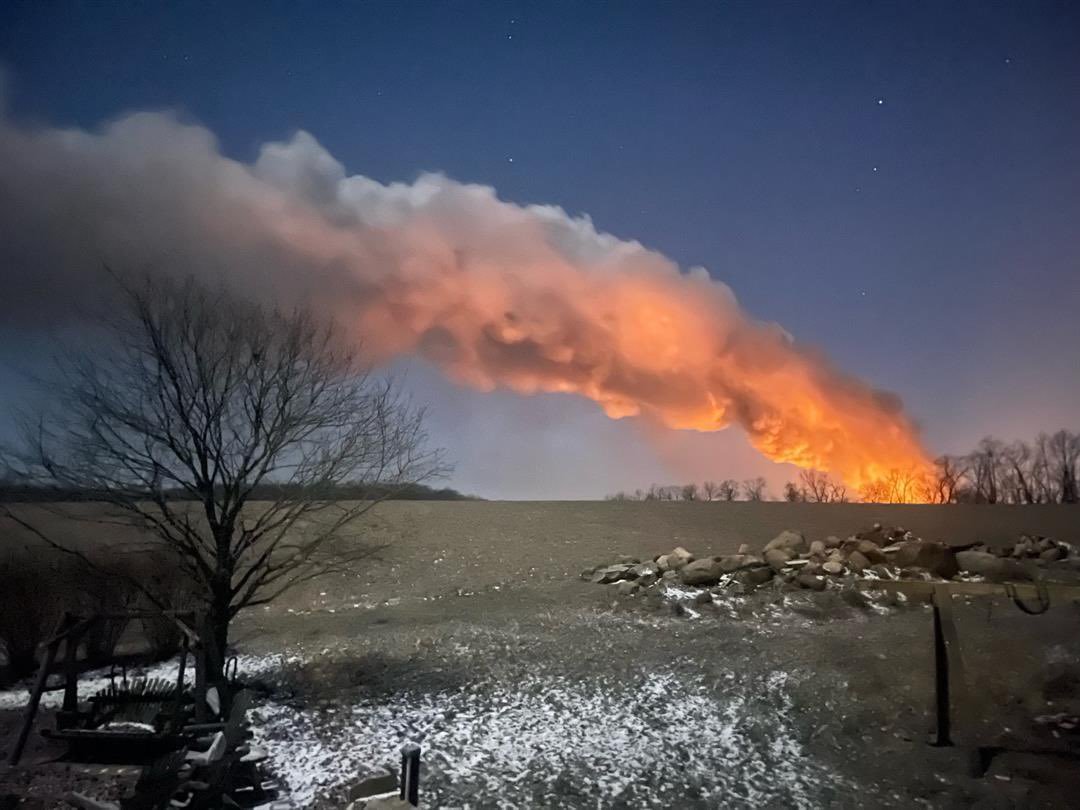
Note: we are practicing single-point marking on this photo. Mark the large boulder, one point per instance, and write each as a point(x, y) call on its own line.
point(674, 560)
point(990, 566)
point(756, 576)
point(937, 558)
point(706, 571)
point(645, 570)
point(735, 562)
point(791, 542)
point(871, 551)
point(857, 561)
point(777, 558)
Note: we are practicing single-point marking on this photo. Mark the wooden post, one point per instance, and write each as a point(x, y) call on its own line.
point(35, 695)
point(71, 667)
point(178, 703)
point(941, 680)
point(410, 774)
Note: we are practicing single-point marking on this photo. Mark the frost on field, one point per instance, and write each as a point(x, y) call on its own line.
point(547, 741)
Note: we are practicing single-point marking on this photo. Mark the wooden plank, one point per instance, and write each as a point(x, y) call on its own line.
point(35, 698)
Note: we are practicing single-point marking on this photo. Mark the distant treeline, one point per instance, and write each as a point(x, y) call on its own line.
point(1046, 470)
point(14, 492)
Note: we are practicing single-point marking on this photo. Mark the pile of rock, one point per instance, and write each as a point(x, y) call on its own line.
point(876, 553)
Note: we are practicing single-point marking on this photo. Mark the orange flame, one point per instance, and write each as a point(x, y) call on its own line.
point(494, 299)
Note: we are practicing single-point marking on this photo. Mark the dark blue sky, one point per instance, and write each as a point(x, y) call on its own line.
point(897, 183)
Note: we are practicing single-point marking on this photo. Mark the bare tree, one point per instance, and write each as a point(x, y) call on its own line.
point(201, 402)
point(1063, 456)
point(897, 486)
point(690, 492)
point(986, 463)
point(949, 475)
point(728, 490)
point(792, 493)
point(818, 487)
point(754, 489)
point(709, 490)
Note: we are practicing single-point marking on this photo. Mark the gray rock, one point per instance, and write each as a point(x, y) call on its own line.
point(817, 549)
point(744, 549)
point(588, 572)
point(756, 576)
point(647, 580)
point(706, 571)
point(1053, 553)
point(791, 542)
point(857, 561)
point(627, 588)
point(937, 558)
point(777, 558)
point(833, 567)
point(703, 598)
point(680, 553)
point(612, 573)
point(734, 562)
point(810, 582)
point(871, 551)
point(832, 541)
point(644, 570)
point(670, 576)
point(990, 566)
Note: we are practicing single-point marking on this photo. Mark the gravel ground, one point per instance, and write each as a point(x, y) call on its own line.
point(527, 687)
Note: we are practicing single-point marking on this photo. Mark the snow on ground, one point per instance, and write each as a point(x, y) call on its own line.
point(551, 741)
point(95, 680)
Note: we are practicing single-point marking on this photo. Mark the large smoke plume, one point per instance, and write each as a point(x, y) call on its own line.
point(494, 294)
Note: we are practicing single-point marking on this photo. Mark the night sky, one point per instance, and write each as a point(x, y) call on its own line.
point(897, 184)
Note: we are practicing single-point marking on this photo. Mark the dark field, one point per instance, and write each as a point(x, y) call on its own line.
point(528, 687)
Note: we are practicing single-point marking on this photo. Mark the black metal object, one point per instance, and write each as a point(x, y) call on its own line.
point(410, 774)
point(1041, 595)
point(941, 680)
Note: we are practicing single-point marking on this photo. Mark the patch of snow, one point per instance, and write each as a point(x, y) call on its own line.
point(550, 741)
point(95, 680)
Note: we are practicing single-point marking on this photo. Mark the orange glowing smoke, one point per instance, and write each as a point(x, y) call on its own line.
point(494, 294)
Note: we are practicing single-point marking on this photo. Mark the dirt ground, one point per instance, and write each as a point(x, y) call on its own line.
point(472, 634)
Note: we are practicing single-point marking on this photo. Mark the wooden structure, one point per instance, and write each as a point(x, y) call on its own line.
point(147, 702)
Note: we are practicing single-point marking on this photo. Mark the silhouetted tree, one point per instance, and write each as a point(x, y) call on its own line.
point(199, 390)
point(728, 490)
point(754, 489)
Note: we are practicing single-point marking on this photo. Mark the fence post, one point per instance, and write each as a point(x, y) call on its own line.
point(410, 774)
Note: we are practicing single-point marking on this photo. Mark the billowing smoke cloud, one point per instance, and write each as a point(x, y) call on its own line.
point(494, 294)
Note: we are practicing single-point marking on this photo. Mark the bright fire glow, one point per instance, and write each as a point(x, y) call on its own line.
point(496, 295)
